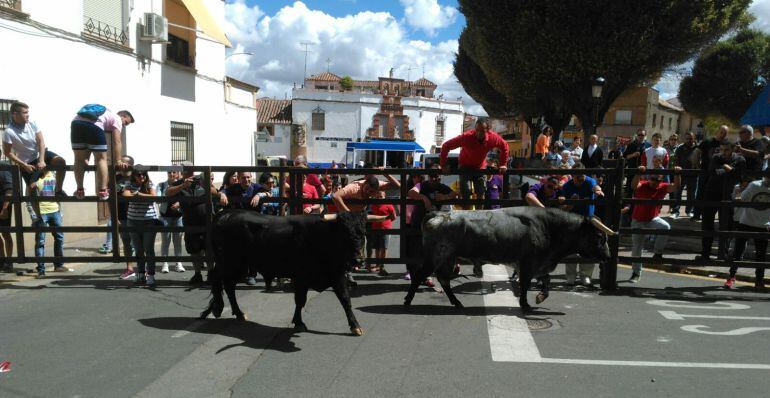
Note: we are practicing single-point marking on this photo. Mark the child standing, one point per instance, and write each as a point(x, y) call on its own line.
point(50, 216)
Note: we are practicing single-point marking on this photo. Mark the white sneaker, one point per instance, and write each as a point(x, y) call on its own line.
point(179, 267)
point(164, 270)
point(151, 280)
point(586, 281)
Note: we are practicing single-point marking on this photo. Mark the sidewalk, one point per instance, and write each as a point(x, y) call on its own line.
point(686, 248)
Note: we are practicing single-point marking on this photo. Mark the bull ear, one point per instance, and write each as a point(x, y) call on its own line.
point(372, 218)
point(330, 217)
point(596, 222)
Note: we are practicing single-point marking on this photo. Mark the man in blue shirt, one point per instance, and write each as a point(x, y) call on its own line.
point(244, 194)
point(581, 187)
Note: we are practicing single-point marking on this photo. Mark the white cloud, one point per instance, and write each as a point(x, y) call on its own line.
point(428, 15)
point(761, 9)
point(365, 46)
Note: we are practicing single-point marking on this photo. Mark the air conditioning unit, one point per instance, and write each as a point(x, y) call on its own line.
point(155, 28)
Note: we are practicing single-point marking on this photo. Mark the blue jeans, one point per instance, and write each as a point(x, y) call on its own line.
point(691, 184)
point(49, 220)
point(108, 238)
point(144, 245)
point(167, 237)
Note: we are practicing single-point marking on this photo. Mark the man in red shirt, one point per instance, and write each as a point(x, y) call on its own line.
point(379, 243)
point(648, 215)
point(474, 146)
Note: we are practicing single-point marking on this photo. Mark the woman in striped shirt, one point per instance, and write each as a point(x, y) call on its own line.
point(142, 214)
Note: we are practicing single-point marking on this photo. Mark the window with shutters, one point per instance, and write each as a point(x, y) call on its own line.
point(182, 142)
point(439, 132)
point(106, 20)
point(318, 119)
point(181, 34)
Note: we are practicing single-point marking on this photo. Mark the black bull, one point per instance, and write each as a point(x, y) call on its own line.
point(533, 238)
point(314, 251)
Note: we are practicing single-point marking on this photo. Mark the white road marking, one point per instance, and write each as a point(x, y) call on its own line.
point(688, 304)
point(674, 316)
point(509, 337)
point(657, 364)
point(733, 332)
point(511, 341)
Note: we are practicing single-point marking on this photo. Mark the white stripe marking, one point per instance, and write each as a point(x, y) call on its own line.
point(511, 341)
point(195, 325)
point(509, 337)
point(674, 316)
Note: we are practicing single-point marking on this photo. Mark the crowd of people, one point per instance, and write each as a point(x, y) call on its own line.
point(721, 163)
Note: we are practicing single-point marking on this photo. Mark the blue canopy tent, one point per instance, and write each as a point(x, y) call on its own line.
point(759, 112)
point(354, 151)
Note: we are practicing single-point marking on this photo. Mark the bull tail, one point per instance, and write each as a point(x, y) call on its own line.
point(217, 303)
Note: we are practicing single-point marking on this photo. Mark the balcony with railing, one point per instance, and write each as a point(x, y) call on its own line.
point(98, 30)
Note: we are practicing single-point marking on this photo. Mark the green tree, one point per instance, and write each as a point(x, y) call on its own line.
point(551, 51)
point(728, 76)
point(346, 83)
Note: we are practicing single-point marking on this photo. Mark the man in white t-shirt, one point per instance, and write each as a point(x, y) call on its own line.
point(23, 144)
point(655, 151)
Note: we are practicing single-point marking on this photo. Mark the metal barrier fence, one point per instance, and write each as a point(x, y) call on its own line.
point(613, 201)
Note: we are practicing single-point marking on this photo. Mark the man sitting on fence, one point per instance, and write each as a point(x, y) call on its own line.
point(23, 144)
point(88, 135)
point(647, 215)
point(474, 146)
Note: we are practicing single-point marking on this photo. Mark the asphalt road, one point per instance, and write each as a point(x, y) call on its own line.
point(88, 334)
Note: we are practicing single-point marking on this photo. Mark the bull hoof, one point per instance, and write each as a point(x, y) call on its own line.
point(540, 298)
point(300, 327)
point(240, 317)
point(204, 314)
point(357, 331)
point(526, 308)
point(458, 305)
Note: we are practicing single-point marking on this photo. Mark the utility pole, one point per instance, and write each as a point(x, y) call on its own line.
point(306, 44)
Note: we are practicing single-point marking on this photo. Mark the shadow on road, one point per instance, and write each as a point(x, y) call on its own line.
point(252, 334)
point(700, 294)
point(452, 311)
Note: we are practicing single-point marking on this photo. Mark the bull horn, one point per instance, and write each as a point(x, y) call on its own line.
point(373, 218)
point(596, 222)
point(330, 217)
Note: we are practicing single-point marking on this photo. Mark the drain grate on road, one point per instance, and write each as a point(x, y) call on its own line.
point(539, 325)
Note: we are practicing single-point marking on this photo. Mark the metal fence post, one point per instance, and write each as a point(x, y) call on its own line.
point(402, 216)
point(609, 273)
point(113, 206)
point(18, 220)
point(209, 212)
point(292, 191)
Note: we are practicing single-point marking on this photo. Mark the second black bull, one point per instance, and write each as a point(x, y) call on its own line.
point(533, 238)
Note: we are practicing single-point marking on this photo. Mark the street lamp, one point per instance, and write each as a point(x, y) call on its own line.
point(596, 92)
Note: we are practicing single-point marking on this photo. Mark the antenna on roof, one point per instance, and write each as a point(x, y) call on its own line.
point(328, 62)
point(408, 72)
point(306, 50)
point(423, 71)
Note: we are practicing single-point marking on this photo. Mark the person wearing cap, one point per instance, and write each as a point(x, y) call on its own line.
point(752, 149)
point(724, 172)
point(540, 194)
point(474, 146)
point(194, 214)
point(647, 215)
point(543, 142)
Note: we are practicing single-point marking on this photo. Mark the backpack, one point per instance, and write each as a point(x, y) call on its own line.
point(92, 111)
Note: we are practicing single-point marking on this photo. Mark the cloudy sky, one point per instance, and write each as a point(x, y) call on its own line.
point(363, 39)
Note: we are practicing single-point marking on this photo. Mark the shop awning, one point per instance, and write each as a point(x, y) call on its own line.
point(758, 113)
point(404, 146)
point(205, 21)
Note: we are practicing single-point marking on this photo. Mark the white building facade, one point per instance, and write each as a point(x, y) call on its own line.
point(60, 55)
point(332, 118)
